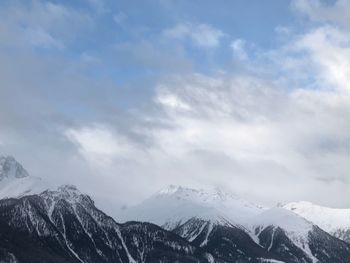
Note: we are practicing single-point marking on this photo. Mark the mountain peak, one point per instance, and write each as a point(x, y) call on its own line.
point(178, 204)
point(69, 192)
point(10, 168)
point(198, 195)
point(69, 188)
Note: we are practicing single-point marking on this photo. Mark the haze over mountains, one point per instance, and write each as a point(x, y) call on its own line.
point(41, 223)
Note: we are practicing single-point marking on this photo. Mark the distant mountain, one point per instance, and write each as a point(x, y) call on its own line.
point(296, 239)
point(235, 230)
point(213, 220)
point(175, 205)
point(335, 221)
point(65, 226)
point(15, 180)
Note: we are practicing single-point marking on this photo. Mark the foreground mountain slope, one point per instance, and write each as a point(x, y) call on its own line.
point(15, 181)
point(296, 239)
point(335, 221)
point(65, 226)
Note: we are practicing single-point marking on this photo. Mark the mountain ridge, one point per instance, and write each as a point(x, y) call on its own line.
point(283, 234)
point(335, 221)
point(175, 224)
point(65, 226)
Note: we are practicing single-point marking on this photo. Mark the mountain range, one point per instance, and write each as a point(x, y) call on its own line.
point(39, 223)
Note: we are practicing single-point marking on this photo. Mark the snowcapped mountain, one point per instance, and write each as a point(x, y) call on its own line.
point(235, 230)
point(15, 180)
point(175, 205)
point(213, 220)
point(65, 226)
point(335, 221)
point(225, 242)
point(292, 237)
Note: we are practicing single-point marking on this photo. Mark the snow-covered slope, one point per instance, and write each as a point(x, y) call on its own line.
point(225, 242)
point(293, 237)
point(175, 205)
point(213, 220)
point(293, 226)
point(335, 221)
point(15, 180)
point(279, 217)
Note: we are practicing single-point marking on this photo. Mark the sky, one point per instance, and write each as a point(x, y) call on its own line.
point(123, 98)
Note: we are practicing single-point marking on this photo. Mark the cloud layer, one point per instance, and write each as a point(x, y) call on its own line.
point(183, 103)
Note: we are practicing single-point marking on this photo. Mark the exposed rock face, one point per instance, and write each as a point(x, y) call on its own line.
point(65, 226)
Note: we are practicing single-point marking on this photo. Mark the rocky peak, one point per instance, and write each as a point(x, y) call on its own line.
point(10, 168)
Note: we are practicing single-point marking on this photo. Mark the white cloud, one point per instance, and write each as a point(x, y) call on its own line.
point(203, 35)
point(283, 30)
point(98, 145)
point(329, 53)
point(239, 129)
point(238, 48)
point(173, 102)
point(236, 131)
point(267, 134)
point(40, 38)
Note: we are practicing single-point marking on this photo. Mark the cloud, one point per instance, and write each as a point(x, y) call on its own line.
point(154, 55)
point(41, 24)
point(317, 10)
point(120, 18)
point(329, 51)
point(99, 146)
point(40, 38)
point(238, 48)
point(240, 128)
point(225, 130)
point(278, 118)
point(203, 35)
point(172, 101)
point(283, 30)
point(99, 6)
